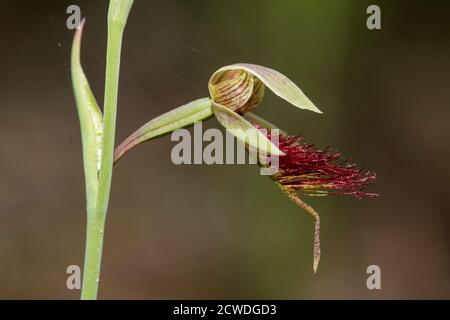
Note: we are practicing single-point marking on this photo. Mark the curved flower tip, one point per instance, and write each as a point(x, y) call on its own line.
point(240, 87)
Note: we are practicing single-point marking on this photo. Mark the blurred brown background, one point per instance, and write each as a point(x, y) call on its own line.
point(225, 231)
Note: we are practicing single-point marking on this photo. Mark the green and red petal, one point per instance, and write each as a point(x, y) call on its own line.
point(318, 172)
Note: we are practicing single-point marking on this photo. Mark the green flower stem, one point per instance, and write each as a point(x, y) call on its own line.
point(93, 256)
point(117, 16)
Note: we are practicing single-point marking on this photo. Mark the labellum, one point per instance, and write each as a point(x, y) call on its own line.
point(304, 169)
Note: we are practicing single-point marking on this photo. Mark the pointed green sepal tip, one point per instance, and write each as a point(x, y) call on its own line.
point(244, 131)
point(180, 117)
point(276, 82)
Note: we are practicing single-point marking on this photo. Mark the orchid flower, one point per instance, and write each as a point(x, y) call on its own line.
point(234, 91)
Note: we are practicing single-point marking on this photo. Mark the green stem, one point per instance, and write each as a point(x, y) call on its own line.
point(117, 16)
point(93, 256)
